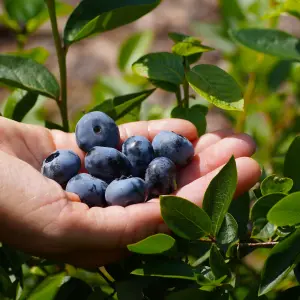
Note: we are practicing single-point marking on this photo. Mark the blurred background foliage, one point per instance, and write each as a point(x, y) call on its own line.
point(100, 68)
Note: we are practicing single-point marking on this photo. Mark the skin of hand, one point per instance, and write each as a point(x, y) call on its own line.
point(40, 218)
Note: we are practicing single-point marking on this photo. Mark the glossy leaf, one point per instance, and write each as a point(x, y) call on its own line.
point(262, 206)
point(27, 74)
point(269, 41)
point(219, 194)
point(133, 48)
point(292, 164)
point(193, 114)
point(93, 16)
point(217, 263)
point(280, 262)
point(276, 184)
point(189, 293)
point(184, 218)
point(228, 231)
point(287, 211)
point(24, 106)
point(22, 11)
point(161, 66)
point(216, 86)
point(120, 106)
point(155, 244)
point(168, 269)
point(48, 288)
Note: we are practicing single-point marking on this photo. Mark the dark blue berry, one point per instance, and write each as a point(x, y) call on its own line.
point(61, 166)
point(96, 129)
point(161, 177)
point(107, 163)
point(127, 191)
point(140, 153)
point(173, 146)
point(90, 190)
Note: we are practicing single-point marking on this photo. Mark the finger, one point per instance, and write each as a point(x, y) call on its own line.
point(215, 156)
point(248, 172)
point(211, 138)
point(148, 129)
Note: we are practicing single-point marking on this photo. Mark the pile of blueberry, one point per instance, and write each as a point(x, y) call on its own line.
point(141, 171)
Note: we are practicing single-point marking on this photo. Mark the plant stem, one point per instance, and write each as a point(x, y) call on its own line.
point(258, 245)
point(178, 97)
point(240, 126)
point(186, 87)
point(110, 283)
point(61, 55)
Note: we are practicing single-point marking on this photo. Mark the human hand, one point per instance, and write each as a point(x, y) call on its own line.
point(39, 217)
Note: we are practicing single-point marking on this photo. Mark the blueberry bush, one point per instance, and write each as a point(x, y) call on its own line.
point(214, 252)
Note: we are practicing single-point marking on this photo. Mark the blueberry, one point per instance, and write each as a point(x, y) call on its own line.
point(90, 190)
point(107, 163)
point(173, 146)
point(140, 153)
point(61, 166)
point(126, 191)
point(96, 129)
point(161, 177)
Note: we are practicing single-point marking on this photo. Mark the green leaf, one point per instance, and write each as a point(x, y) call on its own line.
point(279, 74)
point(132, 288)
point(62, 9)
point(48, 288)
point(120, 106)
point(38, 54)
point(74, 289)
point(280, 262)
point(133, 48)
point(93, 16)
point(276, 184)
point(240, 210)
point(184, 218)
point(216, 86)
point(155, 244)
point(292, 164)
point(178, 37)
point(23, 106)
point(27, 74)
point(219, 194)
point(22, 11)
point(217, 263)
point(228, 231)
point(269, 41)
point(193, 114)
point(190, 46)
point(161, 66)
point(167, 86)
point(262, 206)
point(263, 230)
point(189, 293)
point(287, 211)
point(167, 269)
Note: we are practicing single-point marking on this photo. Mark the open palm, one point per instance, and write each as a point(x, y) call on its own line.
point(39, 217)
